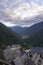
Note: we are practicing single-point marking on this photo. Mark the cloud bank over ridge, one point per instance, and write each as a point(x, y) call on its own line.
point(21, 12)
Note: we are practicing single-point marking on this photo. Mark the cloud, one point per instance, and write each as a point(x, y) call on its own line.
point(21, 12)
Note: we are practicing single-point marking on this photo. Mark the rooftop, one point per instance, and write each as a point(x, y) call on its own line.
point(38, 50)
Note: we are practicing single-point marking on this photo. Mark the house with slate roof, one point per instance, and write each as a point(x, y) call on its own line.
point(36, 55)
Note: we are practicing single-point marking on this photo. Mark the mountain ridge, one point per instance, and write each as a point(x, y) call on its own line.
point(25, 31)
point(7, 36)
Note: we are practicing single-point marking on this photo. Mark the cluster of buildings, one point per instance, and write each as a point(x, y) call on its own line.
point(16, 56)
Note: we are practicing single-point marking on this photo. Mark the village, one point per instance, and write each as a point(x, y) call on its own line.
point(15, 55)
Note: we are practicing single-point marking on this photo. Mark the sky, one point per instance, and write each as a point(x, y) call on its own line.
point(21, 12)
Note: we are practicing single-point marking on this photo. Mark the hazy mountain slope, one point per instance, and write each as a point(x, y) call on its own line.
point(35, 35)
point(18, 29)
point(36, 39)
point(33, 29)
point(7, 36)
point(26, 32)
